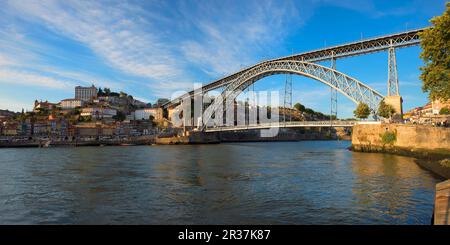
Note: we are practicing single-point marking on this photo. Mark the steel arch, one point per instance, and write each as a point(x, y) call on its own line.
point(346, 85)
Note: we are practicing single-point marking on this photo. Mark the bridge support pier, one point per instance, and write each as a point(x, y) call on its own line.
point(394, 99)
point(396, 102)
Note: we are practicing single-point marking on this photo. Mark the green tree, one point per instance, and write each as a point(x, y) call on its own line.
point(120, 116)
point(152, 120)
point(385, 110)
point(435, 42)
point(362, 110)
point(123, 94)
point(100, 92)
point(299, 107)
point(444, 111)
point(107, 91)
point(309, 111)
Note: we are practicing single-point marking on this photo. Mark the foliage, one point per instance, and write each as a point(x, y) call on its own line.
point(435, 44)
point(299, 107)
point(100, 92)
point(123, 94)
point(389, 137)
point(362, 111)
point(120, 116)
point(42, 111)
point(444, 111)
point(445, 163)
point(332, 117)
point(385, 110)
point(85, 119)
point(152, 120)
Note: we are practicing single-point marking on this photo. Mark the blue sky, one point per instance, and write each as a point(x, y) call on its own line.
point(151, 49)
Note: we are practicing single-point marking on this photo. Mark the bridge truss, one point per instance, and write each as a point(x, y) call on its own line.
point(348, 86)
point(378, 44)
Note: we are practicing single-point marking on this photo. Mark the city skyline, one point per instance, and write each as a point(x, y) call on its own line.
point(151, 50)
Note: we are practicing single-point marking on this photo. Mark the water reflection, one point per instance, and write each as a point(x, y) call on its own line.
point(317, 182)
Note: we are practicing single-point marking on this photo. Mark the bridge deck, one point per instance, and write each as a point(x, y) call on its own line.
point(288, 125)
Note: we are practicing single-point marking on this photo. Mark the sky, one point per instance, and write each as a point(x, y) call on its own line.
point(151, 49)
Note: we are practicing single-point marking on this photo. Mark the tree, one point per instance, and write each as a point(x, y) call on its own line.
point(299, 107)
point(120, 116)
point(362, 110)
point(107, 91)
point(385, 110)
point(309, 111)
point(123, 94)
point(100, 92)
point(435, 42)
point(444, 111)
point(152, 120)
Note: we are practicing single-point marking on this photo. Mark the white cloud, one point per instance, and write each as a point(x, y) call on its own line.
point(110, 32)
point(234, 37)
point(12, 76)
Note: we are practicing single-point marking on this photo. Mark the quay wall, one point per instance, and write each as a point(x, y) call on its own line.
point(138, 140)
point(284, 134)
point(419, 141)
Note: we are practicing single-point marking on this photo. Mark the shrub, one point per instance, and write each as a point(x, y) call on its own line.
point(445, 163)
point(389, 137)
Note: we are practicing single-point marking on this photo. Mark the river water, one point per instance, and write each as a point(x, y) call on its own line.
point(306, 182)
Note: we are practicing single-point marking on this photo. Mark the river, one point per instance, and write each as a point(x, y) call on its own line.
point(306, 182)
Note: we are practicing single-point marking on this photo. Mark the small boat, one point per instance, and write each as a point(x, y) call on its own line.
point(46, 144)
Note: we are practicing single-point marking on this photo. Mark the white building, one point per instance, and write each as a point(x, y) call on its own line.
point(71, 103)
point(98, 112)
point(85, 93)
point(144, 114)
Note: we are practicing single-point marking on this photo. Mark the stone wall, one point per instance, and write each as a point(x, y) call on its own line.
point(411, 140)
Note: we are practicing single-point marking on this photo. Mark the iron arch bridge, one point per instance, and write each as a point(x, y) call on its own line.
point(346, 85)
point(362, 47)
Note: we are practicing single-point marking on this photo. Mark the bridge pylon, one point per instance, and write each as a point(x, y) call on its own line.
point(393, 98)
point(333, 102)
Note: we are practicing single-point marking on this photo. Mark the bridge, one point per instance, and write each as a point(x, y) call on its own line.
point(295, 124)
point(305, 64)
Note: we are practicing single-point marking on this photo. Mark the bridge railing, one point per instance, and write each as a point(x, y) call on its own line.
point(290, 125)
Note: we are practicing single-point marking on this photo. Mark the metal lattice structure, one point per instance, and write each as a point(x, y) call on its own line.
point(348, 86)
point(378, 44)
point(392, 73)
point(287, 96)
point(333, 100)
point(298, 124)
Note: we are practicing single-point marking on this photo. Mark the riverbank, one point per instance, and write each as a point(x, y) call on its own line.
point(430, 145)
point(138, 140)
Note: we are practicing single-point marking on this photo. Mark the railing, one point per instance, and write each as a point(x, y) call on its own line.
point(290, 125)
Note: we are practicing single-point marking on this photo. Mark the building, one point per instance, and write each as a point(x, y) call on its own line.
point(71, 103)
point(144, 114)
point(44, 105)
point(10, 128)
point(112, 100)
point(85, 93)
point(437, 105)
point(98, 113)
